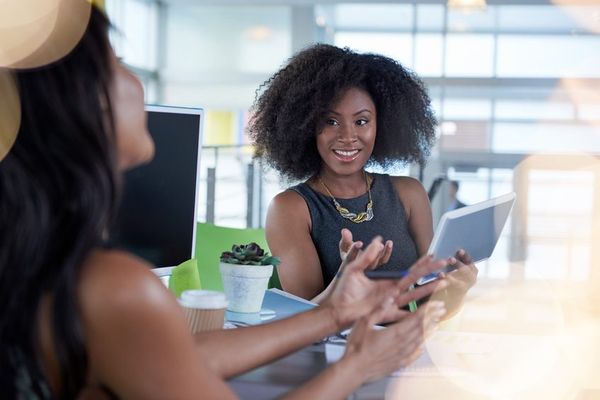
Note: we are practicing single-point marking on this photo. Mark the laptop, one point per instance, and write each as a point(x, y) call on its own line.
point(157, 215)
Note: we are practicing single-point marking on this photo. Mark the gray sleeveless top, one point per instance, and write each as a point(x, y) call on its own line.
point(389, 221)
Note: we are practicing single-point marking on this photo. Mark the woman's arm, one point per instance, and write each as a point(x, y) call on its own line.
point(371, 354)
point(231, 352)
point(353, 297)
point(288, 228)
point(418, 211)
point(139, 345)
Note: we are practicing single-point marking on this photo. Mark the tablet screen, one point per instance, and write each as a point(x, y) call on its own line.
point(475, 228)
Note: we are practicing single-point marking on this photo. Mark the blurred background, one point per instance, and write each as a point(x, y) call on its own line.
point(515, 86)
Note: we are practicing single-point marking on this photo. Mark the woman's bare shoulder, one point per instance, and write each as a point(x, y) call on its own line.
point(287, 199)
point(136, 335)
point(406, 182)
point(409, 188)
point(411, 192)
point(289, 207)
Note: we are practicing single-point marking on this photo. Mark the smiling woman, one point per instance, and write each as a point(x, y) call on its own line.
point(324, 117)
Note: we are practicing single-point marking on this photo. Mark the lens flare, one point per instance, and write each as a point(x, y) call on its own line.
point(34, 33)
point(585, 95)
point(536, 334)
point(10, 113)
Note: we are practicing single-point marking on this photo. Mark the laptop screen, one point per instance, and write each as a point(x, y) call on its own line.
point(157, 214)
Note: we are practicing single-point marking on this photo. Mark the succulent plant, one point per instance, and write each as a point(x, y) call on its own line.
point(248, 254)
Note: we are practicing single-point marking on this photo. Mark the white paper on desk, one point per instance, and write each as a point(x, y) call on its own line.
point(458, 354)
point(292, 296)
point(423, 366)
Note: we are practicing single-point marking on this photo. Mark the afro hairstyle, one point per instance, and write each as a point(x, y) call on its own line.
point(291, 108)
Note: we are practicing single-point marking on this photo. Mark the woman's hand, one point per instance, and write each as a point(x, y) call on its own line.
point(379, 352)
point(353, 295)
point(347, 242)
point(460, 280)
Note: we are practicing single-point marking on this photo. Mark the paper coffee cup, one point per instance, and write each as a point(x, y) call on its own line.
point(204, 309)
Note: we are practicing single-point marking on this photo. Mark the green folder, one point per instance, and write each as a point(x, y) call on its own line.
point(185, 277)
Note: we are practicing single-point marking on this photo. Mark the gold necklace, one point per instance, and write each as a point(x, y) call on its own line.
point(366, 215)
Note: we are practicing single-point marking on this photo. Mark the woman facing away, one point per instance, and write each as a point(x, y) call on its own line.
point(323, 118)
point(78, 320)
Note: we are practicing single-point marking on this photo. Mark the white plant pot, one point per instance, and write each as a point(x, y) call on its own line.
point(245, 285)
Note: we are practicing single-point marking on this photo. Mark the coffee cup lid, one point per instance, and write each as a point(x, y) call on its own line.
point(208, 299)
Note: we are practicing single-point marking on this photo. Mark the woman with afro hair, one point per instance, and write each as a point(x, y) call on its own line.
point(322, 119)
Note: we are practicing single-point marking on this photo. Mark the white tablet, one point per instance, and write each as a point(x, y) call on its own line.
point(475, 228)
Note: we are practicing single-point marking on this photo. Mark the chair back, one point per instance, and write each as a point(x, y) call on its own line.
point(212, 240)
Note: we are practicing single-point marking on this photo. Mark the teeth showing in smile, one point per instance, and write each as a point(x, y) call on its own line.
point(345, 153)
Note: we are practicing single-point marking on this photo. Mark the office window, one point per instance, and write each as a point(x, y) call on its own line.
point(218, 39)
point(217, 56)
point(541, 56)
point(548, 18)
point(469, 55)
point(558, 231)
point(532, 109)
point(476, 109)
point(545, 137)
point(429, 48)
point(474, 21)
point(430, 17)
point(394, 45)
point(135, 39)
point(373, 16)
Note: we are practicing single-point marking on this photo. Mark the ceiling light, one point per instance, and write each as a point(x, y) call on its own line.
point(467, 5)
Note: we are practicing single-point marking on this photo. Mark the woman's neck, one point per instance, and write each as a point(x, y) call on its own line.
point(342, 186)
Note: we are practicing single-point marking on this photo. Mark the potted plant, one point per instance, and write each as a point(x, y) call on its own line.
point(245, 271)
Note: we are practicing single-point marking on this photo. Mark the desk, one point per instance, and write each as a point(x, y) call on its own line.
point(290, 372)
point(277, 378)
point(520, 360)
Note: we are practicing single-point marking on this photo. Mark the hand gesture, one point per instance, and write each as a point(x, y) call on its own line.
point(354, 295)
point(380, 352)
point(346, 244)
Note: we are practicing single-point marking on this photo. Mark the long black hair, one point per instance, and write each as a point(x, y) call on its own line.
point(58, 190)
point(291, 108)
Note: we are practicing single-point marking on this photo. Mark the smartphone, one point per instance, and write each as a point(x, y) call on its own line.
point(434, 275)
point(377, 274)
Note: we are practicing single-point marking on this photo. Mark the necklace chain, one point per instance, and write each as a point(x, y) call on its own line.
point(366, 215)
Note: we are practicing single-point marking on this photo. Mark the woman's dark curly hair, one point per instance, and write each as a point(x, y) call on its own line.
point(291, 107)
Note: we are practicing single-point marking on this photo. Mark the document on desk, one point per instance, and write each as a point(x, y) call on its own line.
point(462, 353)
point(277, 304)
point(423, 366)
